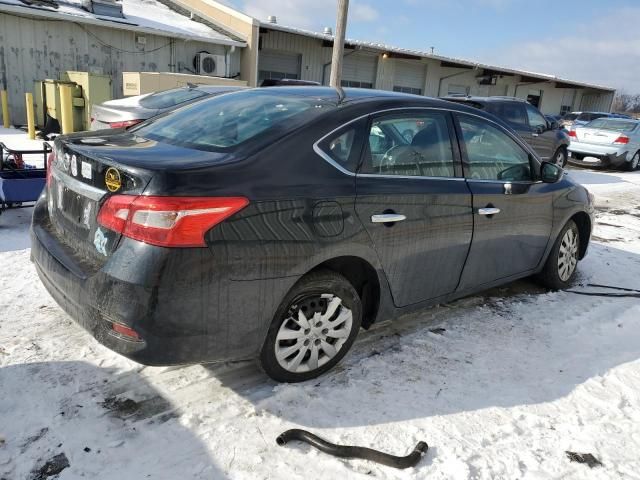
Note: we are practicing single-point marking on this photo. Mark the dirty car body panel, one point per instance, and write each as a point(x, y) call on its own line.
point(309, 204)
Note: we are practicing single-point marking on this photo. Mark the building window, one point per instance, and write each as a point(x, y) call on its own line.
point(564, 109)
point(356, 84)
point(411, 90)
point(268, 75)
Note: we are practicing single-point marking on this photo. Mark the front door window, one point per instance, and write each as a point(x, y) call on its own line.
point(492, 154)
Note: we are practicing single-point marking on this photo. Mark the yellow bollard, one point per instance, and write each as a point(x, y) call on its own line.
point(5, 109)
point(31, 122)
point(66, 109)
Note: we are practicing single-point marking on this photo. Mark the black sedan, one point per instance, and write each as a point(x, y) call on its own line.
point(275, 223)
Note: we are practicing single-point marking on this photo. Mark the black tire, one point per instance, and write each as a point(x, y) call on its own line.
point(550, 276)
point(301, 297)
point(633, 164)
point(561, 162)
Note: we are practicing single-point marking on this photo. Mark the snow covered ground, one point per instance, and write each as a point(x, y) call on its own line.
point(516, 377)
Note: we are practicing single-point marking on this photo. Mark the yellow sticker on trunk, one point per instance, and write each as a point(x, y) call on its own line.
point(112, 179)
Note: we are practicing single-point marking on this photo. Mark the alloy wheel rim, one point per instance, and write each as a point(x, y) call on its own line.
point(314, 332)
point(634, 161)
point(568, 255)
point(560, 159)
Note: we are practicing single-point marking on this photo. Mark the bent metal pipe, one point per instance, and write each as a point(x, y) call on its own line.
point(346, 451)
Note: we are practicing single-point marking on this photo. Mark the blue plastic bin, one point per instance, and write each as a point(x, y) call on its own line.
point(21, 185)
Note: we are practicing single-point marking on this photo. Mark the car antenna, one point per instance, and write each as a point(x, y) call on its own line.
point(191, 85)
point(341, 94)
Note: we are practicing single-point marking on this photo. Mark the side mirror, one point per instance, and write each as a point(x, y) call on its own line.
point(550, 172)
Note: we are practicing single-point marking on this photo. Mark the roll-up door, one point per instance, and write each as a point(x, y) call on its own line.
point(359, 70)
point(497, 90)
point(409, 77)
point(278, 65)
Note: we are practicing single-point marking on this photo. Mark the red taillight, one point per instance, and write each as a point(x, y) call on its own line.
point(50, 159)
point(572, 133)
point(124, 124)
point(622, 140)
point(167, 221)
point(125, 331)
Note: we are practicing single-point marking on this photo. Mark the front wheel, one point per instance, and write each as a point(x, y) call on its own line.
point(560, 157)
point(314, 327)
point(633, 164)
point(560, 267)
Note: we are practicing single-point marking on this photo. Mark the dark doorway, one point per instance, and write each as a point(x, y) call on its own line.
point(534, 100)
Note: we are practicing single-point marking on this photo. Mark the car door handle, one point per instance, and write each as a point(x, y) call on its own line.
point(387, 218)
point(535, 134)
point(488, 211)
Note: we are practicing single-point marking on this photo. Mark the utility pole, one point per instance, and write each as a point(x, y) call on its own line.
point(338, 44)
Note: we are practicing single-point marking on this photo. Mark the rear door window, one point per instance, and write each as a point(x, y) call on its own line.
point(343, 148)
point(512, 113)
point(411, 144)
point(491, 153)
point(537, 122)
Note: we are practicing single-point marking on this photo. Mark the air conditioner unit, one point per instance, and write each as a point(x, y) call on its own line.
point(207, 64)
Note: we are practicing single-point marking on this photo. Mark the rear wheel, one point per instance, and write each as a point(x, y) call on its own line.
point(314, 327)
point(633, 164)
point(560, 157)
point(560, 267)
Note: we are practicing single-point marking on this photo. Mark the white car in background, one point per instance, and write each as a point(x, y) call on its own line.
point(606, 142)
point(129, 111)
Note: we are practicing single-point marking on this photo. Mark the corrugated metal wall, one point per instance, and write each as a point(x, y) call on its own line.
point(427, 74)
point(33, 50)
point(312, 54)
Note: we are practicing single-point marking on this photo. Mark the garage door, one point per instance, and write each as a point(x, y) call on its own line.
point(409, 77)
point(497, 90)
point(359, 70)
point(278, 65)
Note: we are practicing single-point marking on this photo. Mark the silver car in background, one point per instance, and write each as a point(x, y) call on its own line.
point(129, 111)
point(606, 142)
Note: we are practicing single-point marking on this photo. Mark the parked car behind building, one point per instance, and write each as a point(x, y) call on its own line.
point(606, 142)
point(548, 140)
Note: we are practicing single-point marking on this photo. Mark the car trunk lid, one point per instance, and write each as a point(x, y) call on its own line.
point(80, 180)
point(89, 168)
point(597, 136)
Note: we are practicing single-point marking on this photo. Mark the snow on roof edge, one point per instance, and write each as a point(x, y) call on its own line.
point(119, 24)
point(419, 53)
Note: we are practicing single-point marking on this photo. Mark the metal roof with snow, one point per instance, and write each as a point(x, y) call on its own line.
point(417, 53)
point(143, 16)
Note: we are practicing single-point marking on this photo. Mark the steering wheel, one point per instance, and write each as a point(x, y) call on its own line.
point(390, 156)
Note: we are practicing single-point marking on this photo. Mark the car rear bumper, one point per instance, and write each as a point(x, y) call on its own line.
point(587, 155)
point(184, 312)
point(96, 302)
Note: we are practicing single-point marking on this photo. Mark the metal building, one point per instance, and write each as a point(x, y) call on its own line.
point(45, 38)
point(279, 51)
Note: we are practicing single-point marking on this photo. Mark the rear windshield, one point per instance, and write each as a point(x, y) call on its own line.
point(225, 121)
point(587, 117)
point(171, 98)
point(615, 125)
point(570, 116)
